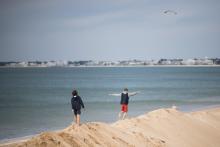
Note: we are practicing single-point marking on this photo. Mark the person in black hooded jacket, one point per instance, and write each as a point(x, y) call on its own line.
point(77, 103)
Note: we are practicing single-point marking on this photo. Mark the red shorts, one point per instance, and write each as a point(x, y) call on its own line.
point(124, 108)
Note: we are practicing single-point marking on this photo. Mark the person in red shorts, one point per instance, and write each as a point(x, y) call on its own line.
point(124, 102)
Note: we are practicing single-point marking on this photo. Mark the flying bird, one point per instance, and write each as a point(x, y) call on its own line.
point(170, 12)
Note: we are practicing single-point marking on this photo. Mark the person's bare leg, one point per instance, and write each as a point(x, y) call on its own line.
point(78, 119)
point(124, 115)
point(74, 117)
point(120, 114)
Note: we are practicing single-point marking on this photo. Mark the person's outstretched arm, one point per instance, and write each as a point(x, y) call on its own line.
point(133, 93)
point(115, 94)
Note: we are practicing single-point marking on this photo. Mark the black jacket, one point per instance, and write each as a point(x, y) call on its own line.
point(124, 98)
point(77, 102)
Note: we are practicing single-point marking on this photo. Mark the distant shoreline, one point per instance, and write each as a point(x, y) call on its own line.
point(110, 66)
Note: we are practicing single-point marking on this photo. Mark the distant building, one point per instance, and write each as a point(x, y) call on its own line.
point(176, 61)
point(216, 61)
point(188, 62)
point(164, 62)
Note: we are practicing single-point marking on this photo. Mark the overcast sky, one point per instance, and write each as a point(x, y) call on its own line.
point(108, 29)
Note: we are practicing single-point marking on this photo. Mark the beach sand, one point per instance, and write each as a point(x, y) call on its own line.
point(159, 128)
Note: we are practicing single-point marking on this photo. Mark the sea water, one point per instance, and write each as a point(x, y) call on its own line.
point(33, 100)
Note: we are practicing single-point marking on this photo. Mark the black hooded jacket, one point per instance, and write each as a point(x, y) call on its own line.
point(77, 102)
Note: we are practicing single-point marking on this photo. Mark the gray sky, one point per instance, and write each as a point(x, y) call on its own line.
point(108, 29)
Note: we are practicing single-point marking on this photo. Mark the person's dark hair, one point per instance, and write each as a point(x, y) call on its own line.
point(126, 89)
point(74, 93)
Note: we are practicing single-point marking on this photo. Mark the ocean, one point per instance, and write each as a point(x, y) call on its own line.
point(38, 99)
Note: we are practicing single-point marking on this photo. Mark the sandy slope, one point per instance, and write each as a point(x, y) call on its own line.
point(159, 128)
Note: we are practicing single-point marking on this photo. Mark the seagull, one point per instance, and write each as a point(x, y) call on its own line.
point(170, 11)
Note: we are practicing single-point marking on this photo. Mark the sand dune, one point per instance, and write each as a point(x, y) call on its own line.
point(159, 128)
